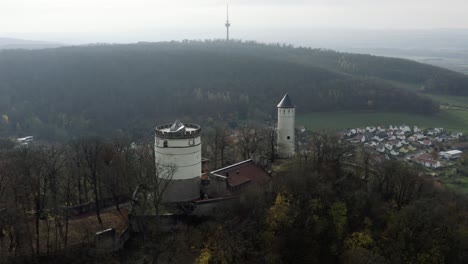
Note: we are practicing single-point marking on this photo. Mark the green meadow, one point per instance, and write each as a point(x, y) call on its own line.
point(450, 100)
point(450, 119)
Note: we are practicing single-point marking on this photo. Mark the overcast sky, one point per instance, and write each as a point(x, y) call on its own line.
point(80, 21)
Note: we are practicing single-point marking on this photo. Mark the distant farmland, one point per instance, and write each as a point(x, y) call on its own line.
point(453, 120)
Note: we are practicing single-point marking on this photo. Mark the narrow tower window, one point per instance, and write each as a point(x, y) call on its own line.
point(165, 143)
point(289, 137)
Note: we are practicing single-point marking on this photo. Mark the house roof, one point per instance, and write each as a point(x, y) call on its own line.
point(462, 145)
point(454, 152)
point(426, 157)
point(243, 172)
point(286, 102)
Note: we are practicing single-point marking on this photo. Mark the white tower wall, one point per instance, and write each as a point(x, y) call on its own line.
point(184, 154)
point(177, 150)
point(286, 137)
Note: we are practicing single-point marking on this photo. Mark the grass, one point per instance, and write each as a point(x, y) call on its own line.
point(452, 120)
point(455, 181)
point(450, 100)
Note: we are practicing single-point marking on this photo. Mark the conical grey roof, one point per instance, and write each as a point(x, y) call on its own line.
point(286, 102)
point(177, 126)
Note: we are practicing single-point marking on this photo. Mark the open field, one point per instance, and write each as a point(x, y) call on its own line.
point(450, 100)
point(453, 120)
point(456, 183)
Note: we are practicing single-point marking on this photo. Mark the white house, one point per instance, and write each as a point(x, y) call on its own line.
point(428, 161)
point(451, 154)
point(456, 134)
point(402, 137)
point(359, 138)
point(419, 136)
point(381, 148)
point(377, 138)
point(361, 130)
point(405, 128)
point(25, 139)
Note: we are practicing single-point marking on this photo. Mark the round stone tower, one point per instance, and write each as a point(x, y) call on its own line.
point(177, 151)
point(286, 125)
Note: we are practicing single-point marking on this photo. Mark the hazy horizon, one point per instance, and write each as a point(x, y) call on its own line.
point(124, 21)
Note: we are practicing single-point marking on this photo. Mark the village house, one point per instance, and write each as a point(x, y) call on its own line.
point(427, 160)
point(401, 141)
point(370, 129)
point(405, 128)
point(389, 146)
point(456, 135)
point(461, 146)
point(359, 138)
point(381, 148)
point(404, 150)
point(425, 142)
point(451, 154)
point(377, 138)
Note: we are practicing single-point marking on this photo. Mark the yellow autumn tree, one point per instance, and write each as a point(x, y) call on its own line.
point(279, 214)
point(5, 119)
point(205, 256)
point(359, 240)
point(338, 212)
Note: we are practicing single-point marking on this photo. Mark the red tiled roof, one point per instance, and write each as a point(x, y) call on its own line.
point(426, 157)
point(244, 172)
point(461, 145)
point(236, 180)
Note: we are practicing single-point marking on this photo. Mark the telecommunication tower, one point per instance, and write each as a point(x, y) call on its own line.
point(227, 23)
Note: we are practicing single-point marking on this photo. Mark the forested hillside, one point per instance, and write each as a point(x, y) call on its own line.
point(69, 91)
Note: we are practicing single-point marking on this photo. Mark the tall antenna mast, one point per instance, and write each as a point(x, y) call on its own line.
point(227, 23)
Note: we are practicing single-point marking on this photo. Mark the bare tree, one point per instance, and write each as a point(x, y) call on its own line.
point(163, 176)
point(325, 147)
point(218, 142)
point(52, 162)
point(92, 150)
point(270, 135)
point(76, 160)
point(249, 140)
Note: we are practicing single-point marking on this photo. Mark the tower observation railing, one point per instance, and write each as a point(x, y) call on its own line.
point(162, 131)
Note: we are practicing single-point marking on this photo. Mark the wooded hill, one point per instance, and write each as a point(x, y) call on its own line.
point(115, 89)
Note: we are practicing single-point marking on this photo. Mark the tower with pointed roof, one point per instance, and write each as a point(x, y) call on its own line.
point(177, 149)
point(285, 130)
